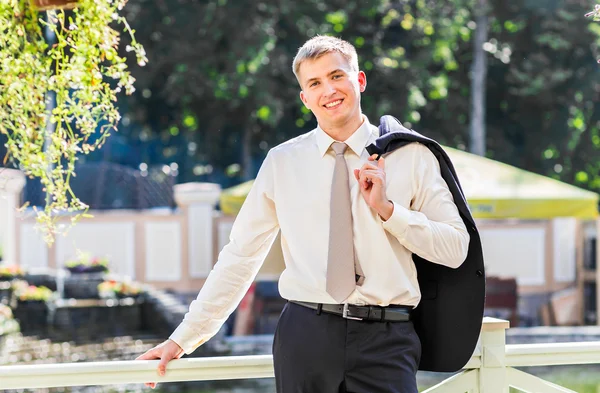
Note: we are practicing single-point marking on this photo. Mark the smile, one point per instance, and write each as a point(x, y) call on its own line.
point(333, 104)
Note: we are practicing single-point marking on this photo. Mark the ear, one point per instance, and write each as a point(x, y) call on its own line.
point(362, 81)
point(303, 98)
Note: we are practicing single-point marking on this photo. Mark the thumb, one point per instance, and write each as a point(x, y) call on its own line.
point(381, 163)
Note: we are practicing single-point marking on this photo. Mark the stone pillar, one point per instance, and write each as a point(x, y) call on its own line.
point(197, 202)
point(12, 182)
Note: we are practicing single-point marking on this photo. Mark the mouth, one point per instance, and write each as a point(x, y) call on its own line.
point(333, 104)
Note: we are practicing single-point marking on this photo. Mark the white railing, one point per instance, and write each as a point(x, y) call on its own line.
point(490, 370)
point(124, 372)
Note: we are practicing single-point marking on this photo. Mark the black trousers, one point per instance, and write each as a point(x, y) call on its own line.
point(329, 354)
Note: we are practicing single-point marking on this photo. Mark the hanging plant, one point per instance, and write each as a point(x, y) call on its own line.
point(595, 14)
point(81, 69)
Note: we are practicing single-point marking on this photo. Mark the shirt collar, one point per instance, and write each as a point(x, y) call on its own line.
point(357, 141)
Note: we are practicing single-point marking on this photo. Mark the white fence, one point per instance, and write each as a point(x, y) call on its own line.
point(490, 370)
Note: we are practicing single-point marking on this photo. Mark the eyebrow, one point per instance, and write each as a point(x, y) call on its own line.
point(329, 74)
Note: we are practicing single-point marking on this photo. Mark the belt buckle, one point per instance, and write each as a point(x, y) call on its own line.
point(345, 313)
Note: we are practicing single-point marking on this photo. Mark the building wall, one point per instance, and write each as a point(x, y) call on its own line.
point(176, 249)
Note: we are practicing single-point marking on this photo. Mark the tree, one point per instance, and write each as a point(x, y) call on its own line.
point(223, 91)
point(478, 80)
point(544, 90)
point(224, 86)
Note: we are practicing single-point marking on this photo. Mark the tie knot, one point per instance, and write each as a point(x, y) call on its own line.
point(339, 147)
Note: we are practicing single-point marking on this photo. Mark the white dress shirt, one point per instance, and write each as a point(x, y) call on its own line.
point(291, 193)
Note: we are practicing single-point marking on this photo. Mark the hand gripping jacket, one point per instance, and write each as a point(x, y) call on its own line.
point(449, 317)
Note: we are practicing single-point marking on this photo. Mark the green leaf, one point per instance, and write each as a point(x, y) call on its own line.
point(336, 18)
point(190, 121)
point(263, 113)
point(581, 177)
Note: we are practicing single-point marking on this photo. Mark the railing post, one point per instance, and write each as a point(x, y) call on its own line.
point(492, 342)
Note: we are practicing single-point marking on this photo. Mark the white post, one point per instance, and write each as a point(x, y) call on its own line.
point(197, 201)
point(12, 182)
point(492, 343)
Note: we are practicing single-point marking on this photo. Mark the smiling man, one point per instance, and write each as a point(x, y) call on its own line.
point(349, 226)
point(331, 85)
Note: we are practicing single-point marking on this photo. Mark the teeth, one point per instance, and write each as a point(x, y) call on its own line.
point(332, 104)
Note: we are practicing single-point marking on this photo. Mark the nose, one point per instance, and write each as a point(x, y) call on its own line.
point(329, 89)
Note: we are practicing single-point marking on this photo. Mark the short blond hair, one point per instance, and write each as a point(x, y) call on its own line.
point(321, 45)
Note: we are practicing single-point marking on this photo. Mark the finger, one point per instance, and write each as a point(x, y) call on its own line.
point(381, 163)
point(373, 157)
point(358, 177)
point(377, 180)
point(148, 355)
point(375, 177)
point(365, 181)
point(162, 365)
point(368, 166)
point(369, 173)
point(363, 177)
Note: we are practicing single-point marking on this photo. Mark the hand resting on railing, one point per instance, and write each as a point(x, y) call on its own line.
point(165, 351)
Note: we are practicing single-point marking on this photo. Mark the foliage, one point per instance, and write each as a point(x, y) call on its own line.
point(87, 264)
point(224, 111)
point(7, 322)
point(5, 313)
point(83, 71)
point(543, 112)
point(25, 292)
point(595, 14)
point(218, 112)
point(112, 288)
point(219, 91)
point(8, 272)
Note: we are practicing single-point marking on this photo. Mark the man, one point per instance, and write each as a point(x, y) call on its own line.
point(349, 226)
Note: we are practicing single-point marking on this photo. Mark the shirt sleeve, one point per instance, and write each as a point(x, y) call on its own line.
point(432, 228)
point(252, 235)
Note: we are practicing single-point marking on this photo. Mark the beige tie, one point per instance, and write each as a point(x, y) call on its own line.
point(341, 276)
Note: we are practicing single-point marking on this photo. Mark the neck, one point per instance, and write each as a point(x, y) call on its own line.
point(344, 131)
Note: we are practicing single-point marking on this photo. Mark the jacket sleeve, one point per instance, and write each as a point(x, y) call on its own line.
point(432, 227)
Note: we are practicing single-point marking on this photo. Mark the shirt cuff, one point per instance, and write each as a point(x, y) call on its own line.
point(398, 221)
point(186, 338)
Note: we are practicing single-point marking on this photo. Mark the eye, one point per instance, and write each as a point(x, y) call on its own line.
point(337, 76)
point(313, 84)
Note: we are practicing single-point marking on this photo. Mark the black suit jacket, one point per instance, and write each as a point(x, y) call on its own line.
point(448, 319)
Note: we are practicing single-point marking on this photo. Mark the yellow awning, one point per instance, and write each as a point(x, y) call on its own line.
point(493, 190)
point(232, 198)
point(497, 190)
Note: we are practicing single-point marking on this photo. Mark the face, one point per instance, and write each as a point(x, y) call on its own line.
point(331, 90)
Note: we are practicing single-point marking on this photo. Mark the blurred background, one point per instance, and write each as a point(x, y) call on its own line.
point(510, 88)
point(218, 91)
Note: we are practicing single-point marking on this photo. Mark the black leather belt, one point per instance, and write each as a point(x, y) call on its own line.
point(366, 313)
